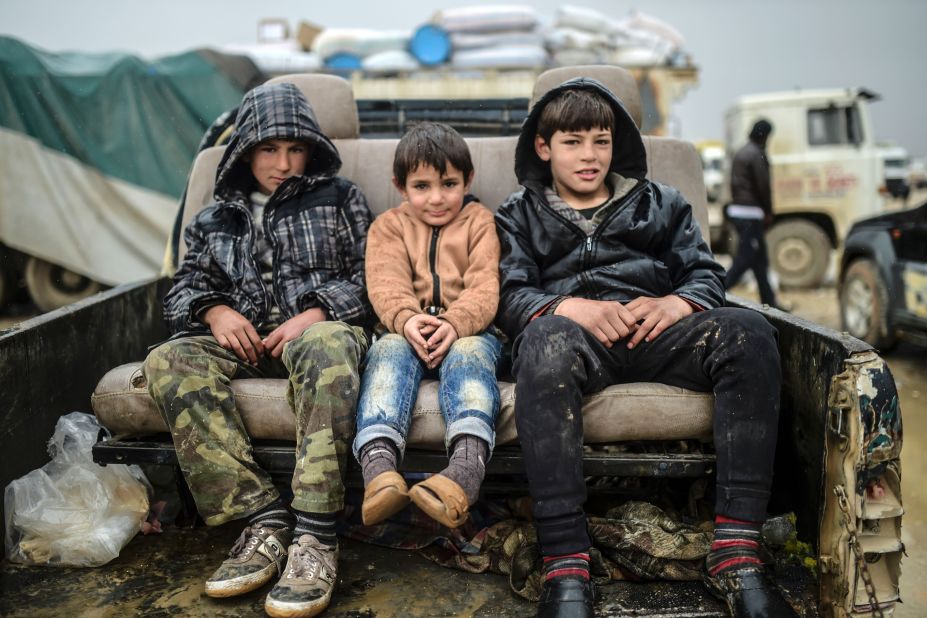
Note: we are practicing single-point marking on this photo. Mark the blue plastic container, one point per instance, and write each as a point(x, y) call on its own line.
point(343, 61)
point(430, 44)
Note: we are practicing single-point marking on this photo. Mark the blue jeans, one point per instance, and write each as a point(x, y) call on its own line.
point(468, 394)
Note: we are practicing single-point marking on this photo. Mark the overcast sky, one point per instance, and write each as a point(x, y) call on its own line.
point(740, 46)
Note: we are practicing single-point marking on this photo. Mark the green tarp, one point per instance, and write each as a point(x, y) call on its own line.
point(95, 150)
point(132, 119)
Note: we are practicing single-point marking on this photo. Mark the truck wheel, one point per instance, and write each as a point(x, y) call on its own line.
point(52, 286)
point(800, 252)
point(864, 305)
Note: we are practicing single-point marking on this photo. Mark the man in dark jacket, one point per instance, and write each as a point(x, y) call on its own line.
point(750, 211)
point(271, 285)
point(605, 280)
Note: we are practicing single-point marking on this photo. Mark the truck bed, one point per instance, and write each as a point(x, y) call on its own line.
point(163, 575)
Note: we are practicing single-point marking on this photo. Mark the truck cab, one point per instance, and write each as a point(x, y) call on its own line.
point(827, 172)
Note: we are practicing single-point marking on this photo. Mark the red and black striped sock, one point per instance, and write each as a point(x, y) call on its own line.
point(735, 546)
point(576, 565)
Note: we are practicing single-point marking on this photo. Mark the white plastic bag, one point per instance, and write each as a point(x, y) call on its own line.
point(73, 512)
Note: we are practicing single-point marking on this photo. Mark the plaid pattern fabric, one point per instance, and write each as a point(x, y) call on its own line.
point(276, 111)
point(264, 254)
point(316, 224)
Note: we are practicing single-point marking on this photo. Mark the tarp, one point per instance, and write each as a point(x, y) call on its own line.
point(95, 151)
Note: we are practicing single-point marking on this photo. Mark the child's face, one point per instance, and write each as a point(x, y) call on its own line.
point(435, 199)
point(275, 160)
point(579, 163)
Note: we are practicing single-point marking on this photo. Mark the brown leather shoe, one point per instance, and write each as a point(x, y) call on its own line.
point(386, 495)
point(441, 499)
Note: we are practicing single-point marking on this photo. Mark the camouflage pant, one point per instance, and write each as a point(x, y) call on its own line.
point(190, 381)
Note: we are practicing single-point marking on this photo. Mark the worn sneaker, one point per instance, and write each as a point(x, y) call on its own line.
point(258, 555)
point(305, 588)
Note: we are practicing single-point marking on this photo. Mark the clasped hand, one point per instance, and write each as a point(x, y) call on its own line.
point(430, 337)
point(642, 319)
point(234, 332)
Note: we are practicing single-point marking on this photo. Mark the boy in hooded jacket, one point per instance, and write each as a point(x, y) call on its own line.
point(271, 285)
point(433, 280)
point(605, 279)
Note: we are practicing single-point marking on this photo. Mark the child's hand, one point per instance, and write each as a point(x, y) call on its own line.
point(439, 343)
point(655, 315)
point(607, 320)
point(234, 332)
point(416, 329)
point(291, 329)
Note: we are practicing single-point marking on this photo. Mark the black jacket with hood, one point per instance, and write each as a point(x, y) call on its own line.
point(316, 223)
point(647, 244)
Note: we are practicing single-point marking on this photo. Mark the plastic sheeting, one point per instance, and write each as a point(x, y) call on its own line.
point(66, 212)
point(487, 18)
point(95, 151)
point(360, 42)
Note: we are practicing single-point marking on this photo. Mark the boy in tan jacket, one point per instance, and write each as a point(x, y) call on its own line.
point(432, 270)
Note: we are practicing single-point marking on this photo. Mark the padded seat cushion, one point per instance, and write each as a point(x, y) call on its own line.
point(640, 411)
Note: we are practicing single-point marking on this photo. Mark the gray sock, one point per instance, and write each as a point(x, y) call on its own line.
point(319, 525)
point(376, 457)
point(274, 515)
point(467, 466)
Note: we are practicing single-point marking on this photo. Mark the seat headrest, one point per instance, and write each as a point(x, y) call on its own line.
point(332, 100)
point(616, 79)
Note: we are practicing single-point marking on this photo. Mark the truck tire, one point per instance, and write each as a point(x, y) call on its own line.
point(52, 286)
point(864, 305)
point(799, 251)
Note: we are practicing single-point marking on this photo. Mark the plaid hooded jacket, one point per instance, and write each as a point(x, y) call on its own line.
point(316, 223)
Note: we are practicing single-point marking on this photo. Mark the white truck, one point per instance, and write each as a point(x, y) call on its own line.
point(827, 172)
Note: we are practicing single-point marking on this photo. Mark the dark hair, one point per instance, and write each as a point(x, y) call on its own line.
point(761, 130)
point(576, 110)
point(434, 144)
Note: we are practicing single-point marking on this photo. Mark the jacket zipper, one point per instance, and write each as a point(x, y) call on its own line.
point(637, 190)
point(432, 262)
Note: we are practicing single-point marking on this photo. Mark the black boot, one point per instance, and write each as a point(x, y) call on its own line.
point(749, 593)
point(566, 597)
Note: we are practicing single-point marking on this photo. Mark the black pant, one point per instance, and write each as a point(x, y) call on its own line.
point(751, 255)
point(730, 352)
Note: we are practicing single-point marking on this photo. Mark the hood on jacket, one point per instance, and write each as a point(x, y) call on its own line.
point(628, 155)
point(273, 111)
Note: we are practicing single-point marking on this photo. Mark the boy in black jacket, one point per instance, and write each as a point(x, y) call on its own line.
point(606, 280)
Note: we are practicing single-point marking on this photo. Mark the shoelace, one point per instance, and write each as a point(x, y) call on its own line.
point(246, 540)
point(306, 559)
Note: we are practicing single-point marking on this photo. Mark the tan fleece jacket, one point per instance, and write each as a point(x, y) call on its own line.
point(400, 279)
